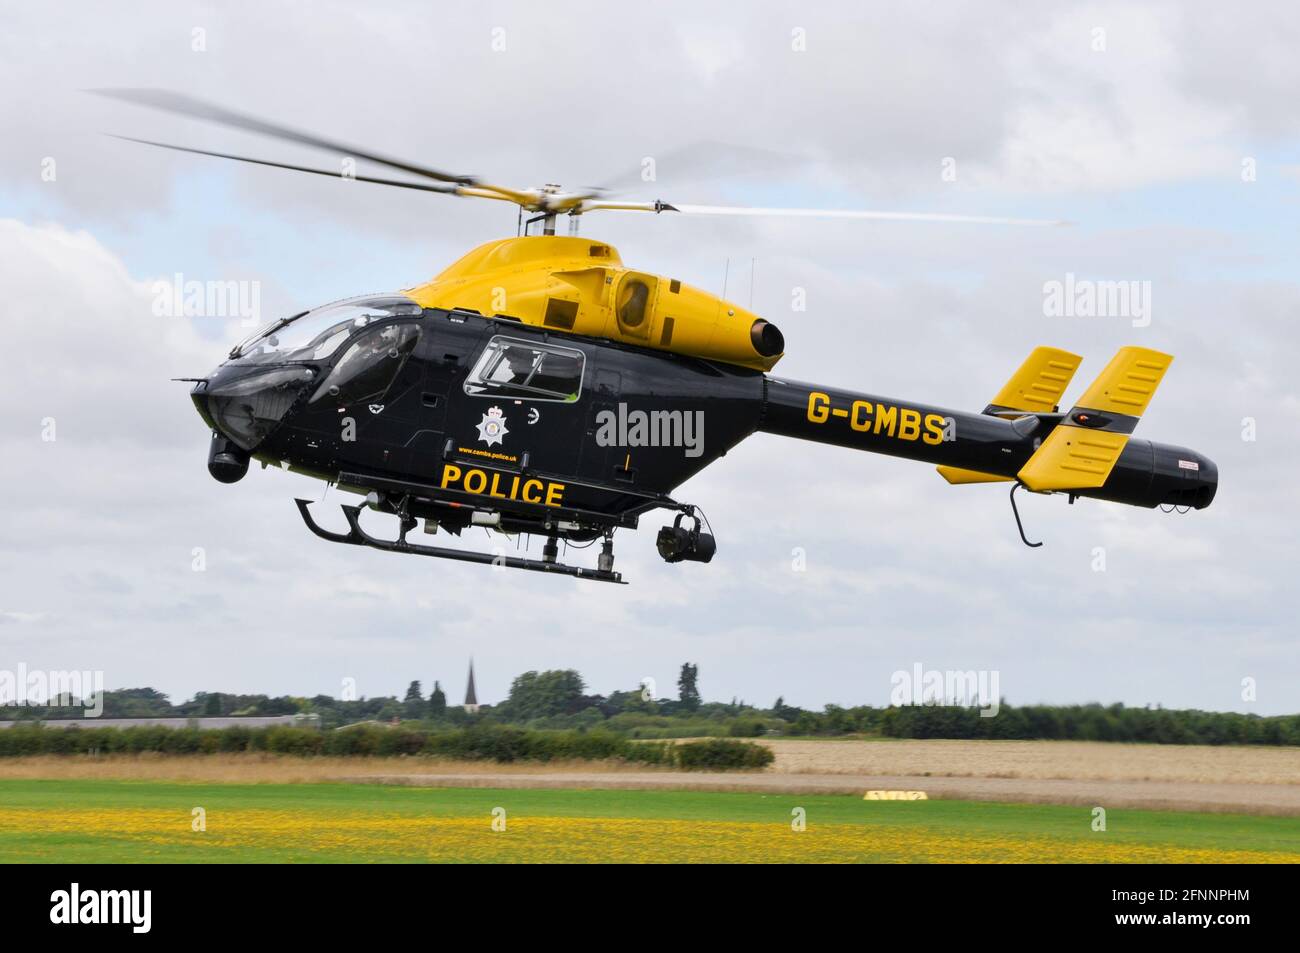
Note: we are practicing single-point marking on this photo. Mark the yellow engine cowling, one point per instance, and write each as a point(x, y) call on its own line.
point(579, 285)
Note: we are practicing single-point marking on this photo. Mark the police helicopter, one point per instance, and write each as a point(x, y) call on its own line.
point(538, 386)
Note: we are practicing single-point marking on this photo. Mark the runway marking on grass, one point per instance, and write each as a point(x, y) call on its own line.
point(895, 796)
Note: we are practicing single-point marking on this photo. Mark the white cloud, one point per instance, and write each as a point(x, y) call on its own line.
point(100, 524)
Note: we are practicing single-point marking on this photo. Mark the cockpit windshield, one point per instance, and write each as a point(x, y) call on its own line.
point(315, 335)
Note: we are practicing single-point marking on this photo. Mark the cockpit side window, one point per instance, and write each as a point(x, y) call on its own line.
point(370, 365)
point(509, 367)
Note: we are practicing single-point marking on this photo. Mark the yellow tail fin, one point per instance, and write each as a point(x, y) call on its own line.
point(1080, 453)
point(957, 475)
point(1073, 458)
point(1036, 387)
point(1039, 383)
point(1128, 382)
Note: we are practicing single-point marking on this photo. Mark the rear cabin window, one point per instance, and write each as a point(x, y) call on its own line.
point(509, 367)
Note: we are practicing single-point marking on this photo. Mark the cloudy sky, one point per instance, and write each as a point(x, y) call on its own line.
point(1166, 132)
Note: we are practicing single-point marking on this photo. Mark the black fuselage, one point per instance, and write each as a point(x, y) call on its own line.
point(594, 435)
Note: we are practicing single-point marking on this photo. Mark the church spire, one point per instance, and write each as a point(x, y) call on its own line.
point(471, 697)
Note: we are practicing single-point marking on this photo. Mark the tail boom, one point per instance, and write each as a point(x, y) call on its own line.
point(1144, 473)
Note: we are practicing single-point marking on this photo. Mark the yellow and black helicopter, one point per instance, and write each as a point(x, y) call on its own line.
point(539, 386)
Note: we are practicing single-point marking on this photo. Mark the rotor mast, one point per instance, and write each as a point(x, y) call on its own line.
point(549, 214)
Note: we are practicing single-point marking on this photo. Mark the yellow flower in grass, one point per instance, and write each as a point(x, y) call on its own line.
point(234, 834)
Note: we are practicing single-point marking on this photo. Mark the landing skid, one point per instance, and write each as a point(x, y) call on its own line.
point(356, 536)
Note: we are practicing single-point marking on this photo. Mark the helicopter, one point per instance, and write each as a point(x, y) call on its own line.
point(538, 387)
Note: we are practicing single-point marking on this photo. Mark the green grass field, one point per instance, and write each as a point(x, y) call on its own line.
point(130, 821)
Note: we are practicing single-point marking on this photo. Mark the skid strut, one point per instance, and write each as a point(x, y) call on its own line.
point(1019, 525)
point(356, 536)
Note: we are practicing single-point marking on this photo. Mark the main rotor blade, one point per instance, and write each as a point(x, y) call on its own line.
point(602, 205)
point(859, 214)
point(707, 160)
point(398, 183)
point(198, 109)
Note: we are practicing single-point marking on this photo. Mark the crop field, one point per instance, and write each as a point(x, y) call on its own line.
point(80, 821)
point(1038, 760)
point(1027, 760)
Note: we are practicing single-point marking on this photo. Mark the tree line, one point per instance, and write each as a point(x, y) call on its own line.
point(559, 699)
point(499, 743)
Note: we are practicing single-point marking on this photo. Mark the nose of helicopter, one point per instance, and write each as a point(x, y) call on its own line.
point(243, 407)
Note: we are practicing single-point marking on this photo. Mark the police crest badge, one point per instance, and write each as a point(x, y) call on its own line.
point(492, 428)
